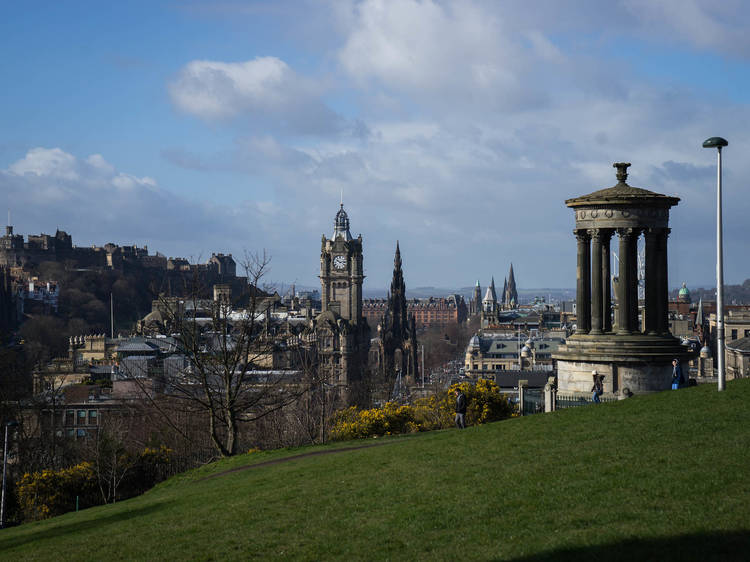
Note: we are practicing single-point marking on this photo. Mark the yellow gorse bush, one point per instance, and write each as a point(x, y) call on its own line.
point(53, 492)
point(485, 404)
point(49, 493)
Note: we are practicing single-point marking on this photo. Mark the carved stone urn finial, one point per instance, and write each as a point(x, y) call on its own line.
point(622, 171)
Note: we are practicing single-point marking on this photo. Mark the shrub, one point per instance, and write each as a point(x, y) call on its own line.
point(147, 469)
point(356, 424)
point(485, 404)
point(53, 492)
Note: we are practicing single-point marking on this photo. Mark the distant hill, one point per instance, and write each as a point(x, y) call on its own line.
point(659, 477)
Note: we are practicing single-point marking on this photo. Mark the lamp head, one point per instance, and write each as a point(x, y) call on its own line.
point(11, 423)
point(715, 142)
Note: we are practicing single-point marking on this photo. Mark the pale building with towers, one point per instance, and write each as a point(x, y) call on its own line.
point(491, 308)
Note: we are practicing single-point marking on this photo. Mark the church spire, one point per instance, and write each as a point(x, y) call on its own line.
point(512, 296)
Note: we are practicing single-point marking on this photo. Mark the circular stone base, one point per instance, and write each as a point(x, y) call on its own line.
point(637, 364)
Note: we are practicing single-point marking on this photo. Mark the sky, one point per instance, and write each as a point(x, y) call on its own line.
point(457, 128)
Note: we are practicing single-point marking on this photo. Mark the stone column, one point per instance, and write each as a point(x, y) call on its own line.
point(606, 282)
point(652, 307)
point(633, 261)
point(625, 283)
point(662, 325)
point(596, 280)
point(583, 288)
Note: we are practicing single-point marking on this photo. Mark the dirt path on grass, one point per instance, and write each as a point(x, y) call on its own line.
point(292, 458)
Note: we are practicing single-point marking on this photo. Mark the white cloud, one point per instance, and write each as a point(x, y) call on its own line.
point(52, 162)
point(264, 89)
point(212, 90)
point(432, 49)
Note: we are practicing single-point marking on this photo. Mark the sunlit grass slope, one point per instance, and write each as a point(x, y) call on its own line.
point(662, 477)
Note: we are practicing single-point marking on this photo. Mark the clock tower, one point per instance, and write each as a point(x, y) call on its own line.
point(341, 271)
point(342, 334)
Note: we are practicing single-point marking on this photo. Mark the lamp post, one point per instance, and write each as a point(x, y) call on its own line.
point(8, 425)
point(718, 143)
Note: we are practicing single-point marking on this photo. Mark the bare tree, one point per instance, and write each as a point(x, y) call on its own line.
point(225, 376)
point(109, 456)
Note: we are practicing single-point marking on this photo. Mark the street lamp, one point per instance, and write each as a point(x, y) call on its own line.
point(718, 143)
point(8, 425)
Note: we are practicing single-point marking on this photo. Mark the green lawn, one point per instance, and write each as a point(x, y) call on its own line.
point(661, 477)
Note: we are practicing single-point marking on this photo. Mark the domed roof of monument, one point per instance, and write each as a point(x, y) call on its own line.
point(622, 193)
point(474, 341)
point(684, 291)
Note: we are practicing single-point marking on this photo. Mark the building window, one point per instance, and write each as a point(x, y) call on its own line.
point(81, 433)
point(81, 417)
point(70, 418)
point(92, 417)
point(747, 333)
point(734, 334)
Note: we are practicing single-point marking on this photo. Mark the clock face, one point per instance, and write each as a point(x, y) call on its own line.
point(339, 262)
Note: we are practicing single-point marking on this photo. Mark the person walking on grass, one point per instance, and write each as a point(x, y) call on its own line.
point(460, 409)
point(677, 379)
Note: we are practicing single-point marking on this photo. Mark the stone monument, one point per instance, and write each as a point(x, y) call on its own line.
point(632, 359)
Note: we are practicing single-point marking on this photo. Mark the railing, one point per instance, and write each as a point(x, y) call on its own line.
point(575, 400)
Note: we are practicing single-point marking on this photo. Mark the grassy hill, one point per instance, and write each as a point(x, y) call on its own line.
point(661, 477)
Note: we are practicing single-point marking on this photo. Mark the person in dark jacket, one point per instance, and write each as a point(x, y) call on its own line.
point(460, 409)
point(677, 379)
point(598, 389)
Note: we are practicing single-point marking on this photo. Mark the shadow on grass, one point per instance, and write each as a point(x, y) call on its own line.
point(730, 545)
point(52, 531)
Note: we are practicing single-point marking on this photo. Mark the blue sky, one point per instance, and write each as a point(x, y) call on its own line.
point(458, 128)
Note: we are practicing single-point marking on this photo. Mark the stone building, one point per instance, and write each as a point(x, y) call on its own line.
point(342, 333)
point(489, 353)
point(632, 358)
point(440, 311)
point(738, 358)
point(427, 312)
